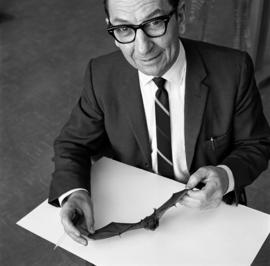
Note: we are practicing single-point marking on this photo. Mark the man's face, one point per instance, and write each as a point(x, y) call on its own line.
point(152, 56)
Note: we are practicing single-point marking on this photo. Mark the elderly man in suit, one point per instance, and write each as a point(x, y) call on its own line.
point(186, 110)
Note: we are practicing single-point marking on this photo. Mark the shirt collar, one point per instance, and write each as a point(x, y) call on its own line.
point(173, 74)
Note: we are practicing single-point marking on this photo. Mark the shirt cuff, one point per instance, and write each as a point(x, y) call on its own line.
point(230, 177)
point(63, 196)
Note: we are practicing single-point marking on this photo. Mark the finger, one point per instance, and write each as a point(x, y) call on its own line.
point(84, 231)
point(196, 178)
point(87, 209)
point(214, 203)
point(198, 194)
point(201, 197)
point(207, 200)
point(66, 219)
point(211, 188)
point(207, 194)
point(203, 194)
point(79, 239)
point(190, 202)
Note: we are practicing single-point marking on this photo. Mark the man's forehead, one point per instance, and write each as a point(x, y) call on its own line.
point(129, 10)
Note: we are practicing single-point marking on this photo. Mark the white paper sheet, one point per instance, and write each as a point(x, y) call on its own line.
point(227, 235)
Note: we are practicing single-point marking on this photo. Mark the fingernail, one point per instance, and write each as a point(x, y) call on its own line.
point(77, 234)
point(83, 242)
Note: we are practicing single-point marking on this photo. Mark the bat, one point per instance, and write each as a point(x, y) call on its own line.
point(150, 222)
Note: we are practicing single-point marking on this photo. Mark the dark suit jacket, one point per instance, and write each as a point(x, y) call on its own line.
point(221, 102)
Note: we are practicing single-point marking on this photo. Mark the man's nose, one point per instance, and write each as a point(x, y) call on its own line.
point(143, 44)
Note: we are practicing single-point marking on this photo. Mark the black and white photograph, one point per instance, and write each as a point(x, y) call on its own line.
point(134, 132)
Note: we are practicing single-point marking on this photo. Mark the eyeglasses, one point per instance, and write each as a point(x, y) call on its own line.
point(152, 28)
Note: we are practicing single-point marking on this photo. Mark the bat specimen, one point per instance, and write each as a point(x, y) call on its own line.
point(150, 222)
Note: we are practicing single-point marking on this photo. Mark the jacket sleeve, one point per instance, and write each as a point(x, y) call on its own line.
point(82, 138)
point(251, 147)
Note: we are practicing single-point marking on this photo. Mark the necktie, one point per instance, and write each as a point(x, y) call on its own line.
point(163, 130)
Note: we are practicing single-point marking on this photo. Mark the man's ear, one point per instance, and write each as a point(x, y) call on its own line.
point(181, 16)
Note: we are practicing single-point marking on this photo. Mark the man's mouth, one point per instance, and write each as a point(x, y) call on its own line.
point(150, 58)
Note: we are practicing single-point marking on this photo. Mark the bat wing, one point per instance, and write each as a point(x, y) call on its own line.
point(171, 202)
point(114, 229)
point(150, 222)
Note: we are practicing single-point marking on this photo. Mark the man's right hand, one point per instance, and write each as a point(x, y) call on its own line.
point(78, 203)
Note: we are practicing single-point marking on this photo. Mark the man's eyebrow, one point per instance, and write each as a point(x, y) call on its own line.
point(156, 12)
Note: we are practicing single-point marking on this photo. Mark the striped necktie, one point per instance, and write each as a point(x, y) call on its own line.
point(163, 130)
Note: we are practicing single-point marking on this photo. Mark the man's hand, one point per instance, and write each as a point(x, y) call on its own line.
point(78, 203)
point(210, 196)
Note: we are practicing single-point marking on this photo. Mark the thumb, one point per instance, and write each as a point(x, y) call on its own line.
point(89, 217)
point(196, 178)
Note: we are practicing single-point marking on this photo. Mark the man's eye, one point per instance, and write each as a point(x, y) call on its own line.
point(156, 23)
point(122, 30)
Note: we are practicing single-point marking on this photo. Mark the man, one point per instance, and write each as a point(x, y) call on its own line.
point(183, 109)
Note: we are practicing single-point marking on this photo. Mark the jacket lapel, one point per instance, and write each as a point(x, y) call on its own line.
point(132, 99)
point(195, 98)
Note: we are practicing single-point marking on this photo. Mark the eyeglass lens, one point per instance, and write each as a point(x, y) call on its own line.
point(152, 29)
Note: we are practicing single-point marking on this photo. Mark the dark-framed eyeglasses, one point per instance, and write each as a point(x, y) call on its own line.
point(154, 27)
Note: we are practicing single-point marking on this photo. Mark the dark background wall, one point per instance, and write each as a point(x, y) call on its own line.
point(44, 48)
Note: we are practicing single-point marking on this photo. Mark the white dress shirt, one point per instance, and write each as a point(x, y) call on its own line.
point(175, 85)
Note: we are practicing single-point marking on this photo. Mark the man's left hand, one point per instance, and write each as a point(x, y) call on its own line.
point(210, 196)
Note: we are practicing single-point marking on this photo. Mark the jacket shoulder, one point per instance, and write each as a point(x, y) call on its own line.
point(110, 60)
point(217, 54)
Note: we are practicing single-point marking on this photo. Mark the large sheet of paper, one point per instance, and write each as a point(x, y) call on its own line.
point(227, 235)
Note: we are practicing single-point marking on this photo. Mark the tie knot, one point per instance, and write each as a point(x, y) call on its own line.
point(159, 82)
